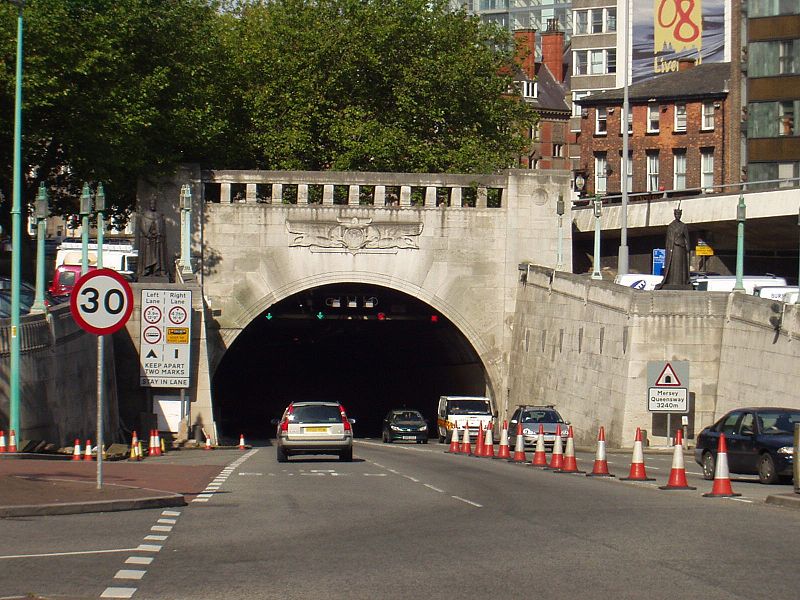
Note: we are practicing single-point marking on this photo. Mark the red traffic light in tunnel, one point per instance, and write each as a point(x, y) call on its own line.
point(434, 318)
point(381, 316)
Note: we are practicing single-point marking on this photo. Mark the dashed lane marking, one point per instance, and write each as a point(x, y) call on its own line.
point(435, 489)
point(148, 548)
point(139, 560)
point(467, 501)
point(156, 538)
point(74, 553)
point(118, 592)
point(129, 574)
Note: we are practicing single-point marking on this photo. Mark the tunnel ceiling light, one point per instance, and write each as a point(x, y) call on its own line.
point(370, 302)
point(352, 302)
point(333, 302)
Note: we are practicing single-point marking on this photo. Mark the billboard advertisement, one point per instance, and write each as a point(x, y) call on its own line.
point(664, 31)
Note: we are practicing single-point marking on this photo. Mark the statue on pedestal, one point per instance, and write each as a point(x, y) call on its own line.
point(676, 266)
point(151, 242)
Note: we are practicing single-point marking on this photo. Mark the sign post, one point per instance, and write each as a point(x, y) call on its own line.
point(668, 388)
point(101, 303)
point(659, 257)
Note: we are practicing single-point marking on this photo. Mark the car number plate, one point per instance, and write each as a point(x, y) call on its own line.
point(409, 437)
point(316, 429)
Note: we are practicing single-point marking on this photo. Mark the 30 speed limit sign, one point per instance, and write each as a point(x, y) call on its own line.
point(101, 302)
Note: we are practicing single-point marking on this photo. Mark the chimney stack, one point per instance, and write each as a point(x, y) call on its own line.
point(553, 50)
point(686, 63)
point(525, 40)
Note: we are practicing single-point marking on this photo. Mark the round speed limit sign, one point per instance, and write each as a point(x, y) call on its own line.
point(101, 302)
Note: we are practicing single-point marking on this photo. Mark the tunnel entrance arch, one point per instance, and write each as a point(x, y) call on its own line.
point(371, 347)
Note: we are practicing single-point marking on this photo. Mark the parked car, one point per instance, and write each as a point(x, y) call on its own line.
point(314, 428)
point(405, 425)
point(531, 416)
point(760, 441)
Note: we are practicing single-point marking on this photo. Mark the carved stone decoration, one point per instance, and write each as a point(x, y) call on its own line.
point(355, 235)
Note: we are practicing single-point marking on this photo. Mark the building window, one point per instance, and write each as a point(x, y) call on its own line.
point(680, 117)
point(786, 116)
point(679, 170)
point(622, 120)
point(580, 22)
point(601, 120)
point(596, 62)
point(773, 8)
point(772, 119)
point(652, 118)
point(581, 59)
point(596, 21)
point(600, 173)
point(577, 108)
point(558, 150)
point(611, 60)
point(778, 57)
point(706, 168)
point(652, 171)
point(708, 116)
point(629, 168)
point(611, 19)
point(529, 89)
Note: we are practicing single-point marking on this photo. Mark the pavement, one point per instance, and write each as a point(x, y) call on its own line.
point(34, 484)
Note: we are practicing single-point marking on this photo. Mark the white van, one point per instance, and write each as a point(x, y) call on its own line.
point(457, 412)
point(791, 297)
point(118, 254)
point(726, 283)
point(774, 292)
point(639, 281)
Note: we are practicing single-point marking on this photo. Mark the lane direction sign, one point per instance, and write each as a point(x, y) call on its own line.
point(165, 338)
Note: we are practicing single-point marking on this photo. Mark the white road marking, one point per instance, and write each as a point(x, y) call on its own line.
point(148, 548)
point(250, 474)
point(205, 495)
point(118, 592)
point(139, 560)
point(323, 470)
point(392, 471)
point(397, 446)
point(74, 553)
point(745, 500)
point(467, 501)
point(374, 474)
point(435, 489)
point(200, 500)
point(411, 478)
point(129, 574)
point(167, 521)
point(156, 538)
point(161, 528)
point(171, 513)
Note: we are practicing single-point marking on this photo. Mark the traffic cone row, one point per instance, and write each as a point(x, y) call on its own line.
point(12, 442)
point(466, 445)
point(566, 462)
point(455, 445)
point(242, 445)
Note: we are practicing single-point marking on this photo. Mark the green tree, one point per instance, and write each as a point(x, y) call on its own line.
point(113, 90)
point(394, 85)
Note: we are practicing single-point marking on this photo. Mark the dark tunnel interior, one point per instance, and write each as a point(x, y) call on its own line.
point(371, 348)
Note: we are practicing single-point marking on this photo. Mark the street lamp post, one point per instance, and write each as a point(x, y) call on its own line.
point(16, 233)
point(560, 213)
point(86, 209)
point(186, 231)
point(797, 297)
point(623, 259)
point(598, 207)
point(741, 215)
point(40, 214)
point(100, 207)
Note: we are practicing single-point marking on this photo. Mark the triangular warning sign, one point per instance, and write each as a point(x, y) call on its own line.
point(152, 354)
point(668, 378)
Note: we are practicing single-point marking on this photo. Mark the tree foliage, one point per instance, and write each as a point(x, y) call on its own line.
point(118, 89)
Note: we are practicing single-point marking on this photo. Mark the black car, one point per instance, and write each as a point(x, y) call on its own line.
point(405, 425)
point(760, 441)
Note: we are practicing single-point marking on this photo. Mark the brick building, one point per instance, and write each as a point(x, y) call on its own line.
point(545, 85)
point(679, 133)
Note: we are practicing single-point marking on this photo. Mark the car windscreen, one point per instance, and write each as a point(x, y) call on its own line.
point(541, 416)
point(468, 407)
point(317, 413)
point(407, 416)
point(778, 422)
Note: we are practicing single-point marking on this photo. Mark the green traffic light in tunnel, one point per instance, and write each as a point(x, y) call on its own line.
point(269, 316)
point(320, 315)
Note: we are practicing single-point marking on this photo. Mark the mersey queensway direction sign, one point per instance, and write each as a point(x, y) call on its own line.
point(164, 350)
point(668, 386)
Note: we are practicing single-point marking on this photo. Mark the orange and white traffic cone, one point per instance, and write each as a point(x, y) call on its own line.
point(570, 464)
point(139, 450)
point(600, 468)
point(2, 441)
point(152, 446)
point(677, 476)
point(87, 455)
point(488, 442)
point(722, 478)
point(455, 445)
point(157, 440)
point(539, 456)
point(208, 443)
point(503, 450)
point(134, 447)
point(478, 443)
point(241, 442)
point(466, 447)
point(519, 446)
point(12, 441)
point(557, 456)
point(637, 472)
point(76, 450)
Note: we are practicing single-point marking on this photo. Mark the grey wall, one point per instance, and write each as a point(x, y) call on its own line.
point(584, 346)
point(58, 380)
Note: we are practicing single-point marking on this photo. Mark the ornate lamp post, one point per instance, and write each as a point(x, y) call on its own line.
point(40, 213)
point(741, 215)
point(186, 231)
point(86, 209)
point(598, 207)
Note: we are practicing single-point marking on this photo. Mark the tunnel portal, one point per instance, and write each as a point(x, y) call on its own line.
point(371, 348)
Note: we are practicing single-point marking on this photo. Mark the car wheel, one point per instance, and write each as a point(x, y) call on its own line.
point(766, 469)
point(708, 466)
point(388, 438)
point(281, 454)
point(346, 455)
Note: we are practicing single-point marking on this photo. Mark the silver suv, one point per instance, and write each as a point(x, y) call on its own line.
point(314, 428)
point(531, 416)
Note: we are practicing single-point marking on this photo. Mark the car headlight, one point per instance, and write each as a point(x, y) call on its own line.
point(424, 428)
point(786, 450)
point(395, 428)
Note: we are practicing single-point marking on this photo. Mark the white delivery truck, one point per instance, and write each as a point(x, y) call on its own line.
point(118, 254)
point(774, 292)
point(457, 412)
